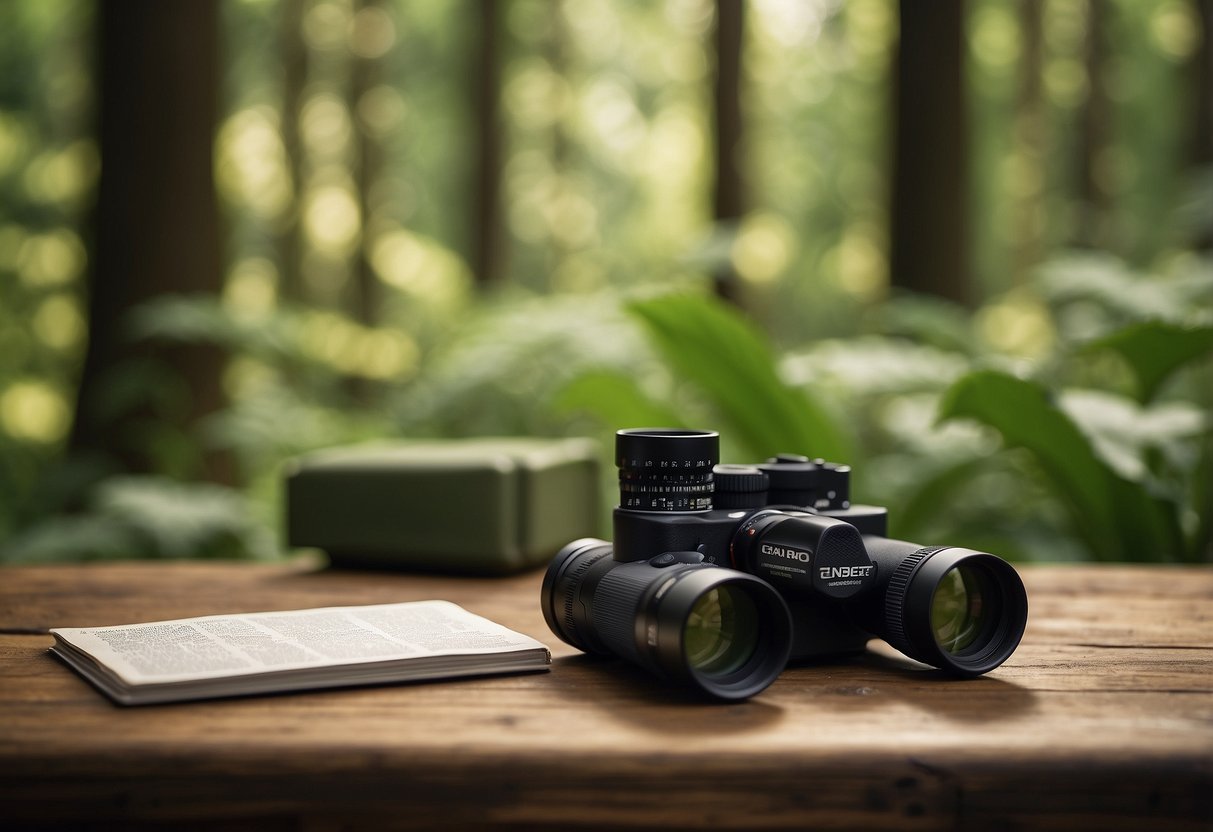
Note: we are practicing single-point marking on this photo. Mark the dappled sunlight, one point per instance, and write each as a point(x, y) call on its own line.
point(251, 289)
point(62, 176)
point(763, 248)
point(33, 411)
point(358, 350)
point(536, 95)
point(59, 323)
point(325, 124)
point(1018, 324)
point(250, 163)
point(552, 217)
point(56, 258)
point(419, 267)
point(331, 219)
point(372, 32)
point(858, 264)
point(381, 110)
point(1175, 30)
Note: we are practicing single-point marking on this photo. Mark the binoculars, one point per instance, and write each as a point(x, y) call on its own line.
point(722, 574)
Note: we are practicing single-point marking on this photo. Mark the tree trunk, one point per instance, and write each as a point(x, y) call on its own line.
point(929, 227)
point(364, 75)
point(556, 50)
point(155, 227)
point(1030, 141)
point(294, 54)
point(486, 205)
point(1202, 112)
point(728, 200)
point(1094, 204)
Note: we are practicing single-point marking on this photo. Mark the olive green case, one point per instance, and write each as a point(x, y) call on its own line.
point(473, 506)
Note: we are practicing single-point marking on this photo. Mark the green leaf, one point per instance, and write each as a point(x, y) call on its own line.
point(935, 491)
point(873, 366)
point(927, 320)
point(1127, 436)
point(1119, 519)
point(713, 347)
point(1111, 284)
point(614, 399)
point(1155, 349)
point(1202, 499)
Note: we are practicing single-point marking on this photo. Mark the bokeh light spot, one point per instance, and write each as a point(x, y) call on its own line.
point(35, 412)
point(52, 259)
point(58, 322)
point(763, 248)
point(332, 219)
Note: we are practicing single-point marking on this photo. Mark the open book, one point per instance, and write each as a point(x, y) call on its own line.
point(233, 655)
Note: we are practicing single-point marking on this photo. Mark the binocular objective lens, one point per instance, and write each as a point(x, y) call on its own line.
point(958, 609)
point(721, 631)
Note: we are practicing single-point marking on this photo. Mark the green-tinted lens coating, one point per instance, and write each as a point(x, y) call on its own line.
point(721, 633)
point(957, 609)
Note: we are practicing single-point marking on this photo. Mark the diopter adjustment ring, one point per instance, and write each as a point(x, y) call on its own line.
point(895, 598)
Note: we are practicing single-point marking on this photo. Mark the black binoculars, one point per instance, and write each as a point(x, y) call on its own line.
point(722, 574)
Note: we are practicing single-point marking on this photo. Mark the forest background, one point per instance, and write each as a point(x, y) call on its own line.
point(966, 247)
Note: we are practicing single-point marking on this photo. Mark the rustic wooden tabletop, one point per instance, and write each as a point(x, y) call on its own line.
point(1102, 719)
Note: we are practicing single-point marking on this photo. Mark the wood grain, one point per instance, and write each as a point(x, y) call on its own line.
point(1102, 719)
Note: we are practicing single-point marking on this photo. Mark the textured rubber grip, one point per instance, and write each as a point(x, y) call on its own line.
point(895, 598)
point(617, 605)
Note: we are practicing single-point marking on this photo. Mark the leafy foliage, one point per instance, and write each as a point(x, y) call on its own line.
point(1129, 469)
point(1118, 519)
point(707, 344)
point(149, 517)
point(1155, 349)
point(349, 310)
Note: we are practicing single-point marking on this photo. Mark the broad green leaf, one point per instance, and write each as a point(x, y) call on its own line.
point(179, 519)
point(1155, 349)
point(709, 345)
point(1202, 498)
point(616, 400)
point(148, 517)
point(1126, 435)
point(1106, 280)
point(874, 366)
point(69, 538)
point(935, 491)
point(924, 319)
point(1120, 520)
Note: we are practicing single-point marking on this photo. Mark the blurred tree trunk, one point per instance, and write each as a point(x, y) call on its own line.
point(1030, 141)
point(294, 80)
point(728, 200)
point(556, 51)
point(368, 159)
point(928, 223)
point(1202, 123)
point(486, 90)
point(155, 226)
point(1094, 205)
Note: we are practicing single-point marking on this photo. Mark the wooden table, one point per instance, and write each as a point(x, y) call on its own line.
point(1103, 719)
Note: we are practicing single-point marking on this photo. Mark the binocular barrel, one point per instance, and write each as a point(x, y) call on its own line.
point(956, 609)
point(723, 632)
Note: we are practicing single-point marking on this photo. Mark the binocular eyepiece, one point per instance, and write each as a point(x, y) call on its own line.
point(722, 573)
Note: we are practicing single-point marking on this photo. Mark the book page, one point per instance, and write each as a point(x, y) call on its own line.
point(237, 645)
